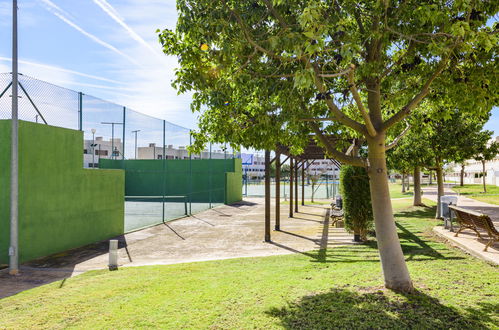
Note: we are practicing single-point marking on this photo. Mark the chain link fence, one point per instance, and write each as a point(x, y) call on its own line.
point(162, 180)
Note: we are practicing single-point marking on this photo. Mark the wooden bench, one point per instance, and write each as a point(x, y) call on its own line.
point(337, 218)
point(468, 219)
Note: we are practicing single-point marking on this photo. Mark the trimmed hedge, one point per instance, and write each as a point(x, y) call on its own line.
point(355, 191)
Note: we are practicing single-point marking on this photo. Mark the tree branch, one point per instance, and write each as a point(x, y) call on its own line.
point(337, 113)
point(355, 93)
point(359, 22)
point(390, 69)
point(397, 139)
point(417, 99)
point(355, 161)
point(412, 37)
point(274, 12)
point(248, 37)
point(334, 75)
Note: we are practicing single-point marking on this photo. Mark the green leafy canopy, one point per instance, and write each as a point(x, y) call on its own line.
point(271, 65)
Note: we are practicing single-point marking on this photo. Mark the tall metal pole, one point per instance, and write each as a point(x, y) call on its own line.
point(135, 132)
point(303, 183)
point(296, 186)
point(80, 111)
point(112, 141)
point(190, 175)
point(209, 176)
point(124, 127)
point(93, 147)
point(267, 196)
point(277, 191)
point(14, 170)
point(291, 179)
point(164, 172)
point(112, 135)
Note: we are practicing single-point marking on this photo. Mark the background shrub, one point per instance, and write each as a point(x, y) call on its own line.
point(354, 188)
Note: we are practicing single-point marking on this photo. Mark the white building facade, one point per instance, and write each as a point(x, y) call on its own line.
point(256, 171)
point(473, 171)
point(155, 152)
point(93, 150)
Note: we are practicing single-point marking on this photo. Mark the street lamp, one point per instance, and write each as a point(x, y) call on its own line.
point(135, 132)
point(93, 145)
point(112, 135)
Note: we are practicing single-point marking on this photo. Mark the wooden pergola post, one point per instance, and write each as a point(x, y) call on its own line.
point(303, 183)
point(267, 196)
point(291, 179)
point(296, 187)
point(277, 191)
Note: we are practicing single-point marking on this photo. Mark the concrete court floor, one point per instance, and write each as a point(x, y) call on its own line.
point(228, 231)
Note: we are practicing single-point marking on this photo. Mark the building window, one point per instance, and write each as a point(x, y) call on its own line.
point(160, 156)
point(85, 151)
point(101, 152)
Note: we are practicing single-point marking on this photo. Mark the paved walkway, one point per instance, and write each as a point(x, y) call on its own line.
point(229, 231)
point(468, 240)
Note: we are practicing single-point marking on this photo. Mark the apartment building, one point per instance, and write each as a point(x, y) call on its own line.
point(93, 150)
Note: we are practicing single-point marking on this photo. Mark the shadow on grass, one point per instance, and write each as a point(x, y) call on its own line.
point(346, 309)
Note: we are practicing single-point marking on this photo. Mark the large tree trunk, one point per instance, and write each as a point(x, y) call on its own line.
point(393, 263)
point(440, 187)
point(417, 186)
point(483, 177)
point(461, 182)
point(431, 178)
point(403, 182)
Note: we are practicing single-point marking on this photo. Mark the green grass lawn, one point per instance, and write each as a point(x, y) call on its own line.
point(335, 288)
point(475, 191)
point(396, 191)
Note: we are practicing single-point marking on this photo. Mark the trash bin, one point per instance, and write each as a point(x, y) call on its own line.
point(339, 202)
point(445, 212)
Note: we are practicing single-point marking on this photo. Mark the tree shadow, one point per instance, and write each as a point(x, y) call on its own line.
point(346, 309)
point(55, 267)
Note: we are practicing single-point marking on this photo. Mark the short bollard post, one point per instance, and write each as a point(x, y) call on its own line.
point(113, 254)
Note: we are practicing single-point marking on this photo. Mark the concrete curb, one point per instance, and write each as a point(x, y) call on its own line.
point(455, 241)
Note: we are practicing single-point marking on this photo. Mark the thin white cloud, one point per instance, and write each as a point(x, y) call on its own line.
point(55, 68)
point(111, 12)
point(51, 7)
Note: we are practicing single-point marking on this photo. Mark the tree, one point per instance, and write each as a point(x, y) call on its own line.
point(451, 135)
point(272, 71)
point(484, 154)
point(411, 154)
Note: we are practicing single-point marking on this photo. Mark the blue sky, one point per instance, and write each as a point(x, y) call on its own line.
point(114, 42)
point(105, 48)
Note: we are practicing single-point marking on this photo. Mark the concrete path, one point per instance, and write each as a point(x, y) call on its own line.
point(229, 231)
point(468, 240)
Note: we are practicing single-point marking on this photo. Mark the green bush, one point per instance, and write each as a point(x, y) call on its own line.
point(354, 188)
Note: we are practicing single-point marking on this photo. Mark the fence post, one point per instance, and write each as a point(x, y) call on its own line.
point(124, 128)
point(80, 111)
point(164, 170)
point(190, 174)
point(14, 161)
point(209, 176)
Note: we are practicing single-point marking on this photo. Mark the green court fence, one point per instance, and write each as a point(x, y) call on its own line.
point(162, 180)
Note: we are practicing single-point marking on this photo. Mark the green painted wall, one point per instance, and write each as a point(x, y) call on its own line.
point(208, 180)
point(61, 205)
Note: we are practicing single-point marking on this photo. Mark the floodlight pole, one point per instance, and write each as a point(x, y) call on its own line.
point(93, 147)
point(135, 132)
point(14, 169)
point(112, 135)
